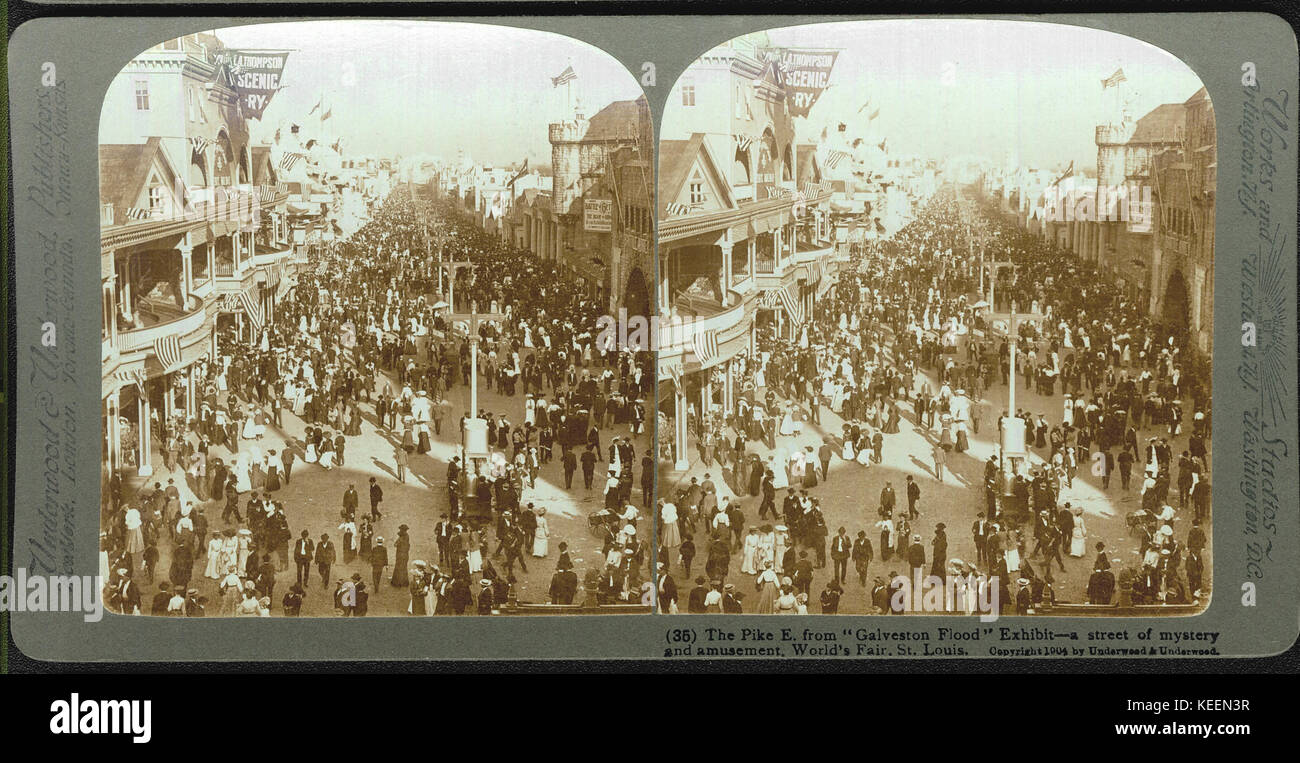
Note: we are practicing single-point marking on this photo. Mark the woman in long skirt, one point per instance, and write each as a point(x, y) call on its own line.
point(669, 534)
point(750, 552)
point(473, 552)
point(542, 535)
point(403, 547)
point(213, 569)
point(767, 590)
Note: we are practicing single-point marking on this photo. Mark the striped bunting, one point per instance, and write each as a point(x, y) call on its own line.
point(290, 159)
point(743, 142)
point(674, 209)
point(675, 371)
point(198, 144)
point(706, 346)
point(168, 350)
point(135, 376)
point(771, 298)
point(777, 192)
point(835, 157)
point(266, 193)
point(251, 309)
point(137, 213)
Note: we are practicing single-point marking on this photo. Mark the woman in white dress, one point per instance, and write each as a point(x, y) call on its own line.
point(1079, 538)
point(243, 469)
point(787, 423)
point(310, 455)
point(766, 547)
point(245, 547)
point(541, 535)
point(474, 552)
point(782, 542)
point(327, 458)
point(780, 474)
point(214, 568)
point(849, 452)
point(669, 534)
point(797, 467)
point(750, 554)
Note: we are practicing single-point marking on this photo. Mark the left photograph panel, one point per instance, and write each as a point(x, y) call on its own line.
point(362, 291)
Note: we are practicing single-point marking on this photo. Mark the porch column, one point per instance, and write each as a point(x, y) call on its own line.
point(706, 394)
point(187, 273)
point(679, 428)
point(142, 411)
point(114, 432)
point(728, 388)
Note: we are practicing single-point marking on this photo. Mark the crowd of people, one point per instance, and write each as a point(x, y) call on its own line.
point(368, 335)
point(906, 335)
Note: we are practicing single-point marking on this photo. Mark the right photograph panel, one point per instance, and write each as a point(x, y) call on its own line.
point(935, 303)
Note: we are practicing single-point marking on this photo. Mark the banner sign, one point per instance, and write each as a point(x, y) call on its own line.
point(255, 75)
point(807, 73)
point(598, 215)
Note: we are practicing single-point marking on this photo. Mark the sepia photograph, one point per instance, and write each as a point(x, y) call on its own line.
point(352, 280)
point(939, 307)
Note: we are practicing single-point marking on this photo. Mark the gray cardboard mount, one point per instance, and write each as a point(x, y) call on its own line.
point(1255, 609)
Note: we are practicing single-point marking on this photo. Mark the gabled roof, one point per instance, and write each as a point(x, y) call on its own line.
point(124, 171)
point(676, 158)
point(620, 119)
point(1161, 125)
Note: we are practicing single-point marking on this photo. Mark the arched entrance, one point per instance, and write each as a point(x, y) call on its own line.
point(1174, 312)
point(636, 295)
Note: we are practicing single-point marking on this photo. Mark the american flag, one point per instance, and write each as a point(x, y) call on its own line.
point(706, 346)
point(168, 350)
point(290, 159)
point(1114, 79)
point(566, 76)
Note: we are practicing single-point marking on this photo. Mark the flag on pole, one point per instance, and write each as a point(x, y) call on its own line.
point(566, 76)
point(329, 111)
point(520, 173)
point(314, 108)
point(1114, 79)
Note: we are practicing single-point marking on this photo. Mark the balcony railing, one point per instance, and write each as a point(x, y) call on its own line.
point(134, 340)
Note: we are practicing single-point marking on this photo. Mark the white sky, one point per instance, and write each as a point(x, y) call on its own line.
point(418, 87)
point(1029, 87)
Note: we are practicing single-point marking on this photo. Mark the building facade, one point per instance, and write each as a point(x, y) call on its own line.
point(745, 238)
point(195, 237)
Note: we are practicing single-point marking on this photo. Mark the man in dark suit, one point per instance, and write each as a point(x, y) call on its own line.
point(887, 499)
point(570, 463)
point(350, 501)
point(695, 602)
point(286, 459)
point(442, 533)
point(376, 498)
point(667, 599)
point(1100, 586)
point(325, 556)
point(378, 561)
point(588, 466)
point(979, 532)
point(913, 495)
point(564, 585)
point(841, 549)
point(824, 456)
point(769, 496)
point(303, 553)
